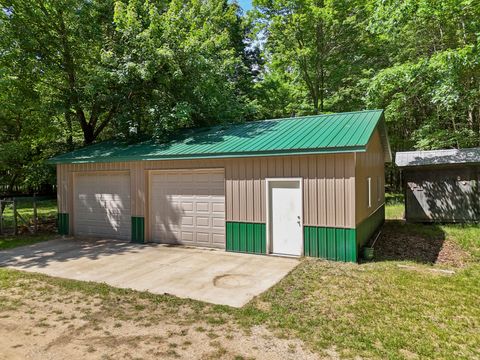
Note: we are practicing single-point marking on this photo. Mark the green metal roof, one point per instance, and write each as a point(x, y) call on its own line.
point(342, 132)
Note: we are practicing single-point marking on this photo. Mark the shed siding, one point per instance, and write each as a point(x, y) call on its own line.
point(370, 164)
point(329, 185)
point(442, 194)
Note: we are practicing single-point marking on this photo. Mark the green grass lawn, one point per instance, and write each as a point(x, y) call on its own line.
point(46, 210)
point(394, 209)
point(12, 241)
point(397, 307)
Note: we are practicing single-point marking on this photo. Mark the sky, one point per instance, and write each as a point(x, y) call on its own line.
point(245, 4)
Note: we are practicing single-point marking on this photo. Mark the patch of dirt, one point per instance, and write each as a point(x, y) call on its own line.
point(399, 242)
point(232, 281)
point(45, 322)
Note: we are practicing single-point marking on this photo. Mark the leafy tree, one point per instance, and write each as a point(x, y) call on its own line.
point(26, 135)
point(187, 59)
point(321, 46)
point(431, 87)
point(64, 41)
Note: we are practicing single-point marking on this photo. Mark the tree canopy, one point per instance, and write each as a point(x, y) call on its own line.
point(73, 72)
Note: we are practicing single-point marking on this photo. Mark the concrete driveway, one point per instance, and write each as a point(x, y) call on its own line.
point(213, 276)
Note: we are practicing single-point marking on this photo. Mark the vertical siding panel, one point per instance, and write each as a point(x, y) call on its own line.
point(249, 195)
point(287, 166)
point(235, 191)
point(141, 190)
point(312, 190)
point(257, 207)
point(295, 169)
point(304, 174)
point(263, 197)
point(243, 190)
point(278, 166)
point(340, 190)
point(61, 190)
point(271, 167)
point(67, 190)
point(330, 189)
point(350, 191)
point(133, 188)
point(321, 200)
point(70, 196)
point(228, 191)
point(138, 191)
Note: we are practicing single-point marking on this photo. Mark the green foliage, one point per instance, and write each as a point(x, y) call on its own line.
point(317, 50)
point(430, 89)
point(189, 71)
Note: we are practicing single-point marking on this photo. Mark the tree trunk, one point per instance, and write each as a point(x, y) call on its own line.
point(68, 121)
point(88, 134)
point(315, 104)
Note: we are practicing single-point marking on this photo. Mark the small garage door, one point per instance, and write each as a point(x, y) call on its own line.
point(188, 207)
point(102, 205)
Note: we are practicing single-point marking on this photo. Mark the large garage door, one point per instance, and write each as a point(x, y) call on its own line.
point(102, 205)
point(188, 207)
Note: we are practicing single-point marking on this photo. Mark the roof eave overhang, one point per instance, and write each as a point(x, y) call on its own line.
point(208, 156)
point(437, 165)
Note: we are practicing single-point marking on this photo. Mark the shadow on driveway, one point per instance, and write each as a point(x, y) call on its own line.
point(61, 250)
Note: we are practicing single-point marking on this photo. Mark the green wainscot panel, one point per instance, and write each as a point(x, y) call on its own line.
point(367, 228)
point(246, 237)
point(138, 229)
point(63, 222)
point(330, 243)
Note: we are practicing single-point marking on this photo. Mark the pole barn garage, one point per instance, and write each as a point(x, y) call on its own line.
point(310, 186)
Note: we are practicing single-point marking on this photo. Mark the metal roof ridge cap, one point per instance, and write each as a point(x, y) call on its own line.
point(317, 115)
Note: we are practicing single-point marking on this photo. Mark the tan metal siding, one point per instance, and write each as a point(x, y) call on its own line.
point(321, 190)
point(340, 190)
point(369, 164)
point(330, 190)
point(329, 184)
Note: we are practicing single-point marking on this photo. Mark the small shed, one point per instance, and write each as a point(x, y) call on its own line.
point(310, 186)
point(441, 185)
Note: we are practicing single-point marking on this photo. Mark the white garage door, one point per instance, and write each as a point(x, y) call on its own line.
point(102, 205)
point(188, 207)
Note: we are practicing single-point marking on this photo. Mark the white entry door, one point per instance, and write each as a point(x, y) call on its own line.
point(285, 217)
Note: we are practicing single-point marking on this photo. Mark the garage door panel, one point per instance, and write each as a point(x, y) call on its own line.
point(203, 206)
point(218, 223)
point(218, 208)
point(192, 203)
point(218, 239)
point(203, 222)
point(187, 220)
point(102, 205)
point(203, 237)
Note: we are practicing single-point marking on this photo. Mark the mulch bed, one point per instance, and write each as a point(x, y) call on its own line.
point(400, 241)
